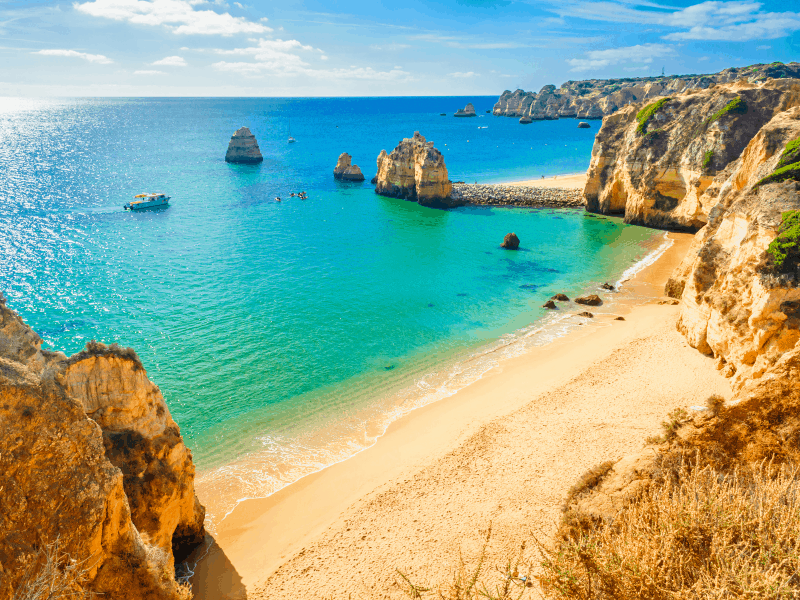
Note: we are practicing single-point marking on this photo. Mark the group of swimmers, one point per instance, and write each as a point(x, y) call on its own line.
point(301, 195)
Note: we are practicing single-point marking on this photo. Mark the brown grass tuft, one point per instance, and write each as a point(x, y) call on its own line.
point(54, 575)
point(714, 404)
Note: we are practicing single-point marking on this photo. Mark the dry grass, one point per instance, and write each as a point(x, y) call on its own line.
point(715, 403)
point(670, 427)
point(54, 575)
point(701, 534)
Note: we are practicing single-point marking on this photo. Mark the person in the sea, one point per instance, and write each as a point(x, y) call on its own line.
point(277, 199)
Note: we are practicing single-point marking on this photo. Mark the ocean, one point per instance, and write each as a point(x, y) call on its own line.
point(286, 336)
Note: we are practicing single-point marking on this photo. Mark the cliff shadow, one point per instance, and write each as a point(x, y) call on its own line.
point(214, 576)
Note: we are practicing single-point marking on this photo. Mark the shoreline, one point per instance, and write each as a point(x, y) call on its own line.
point(301, 511)
point(568, 181)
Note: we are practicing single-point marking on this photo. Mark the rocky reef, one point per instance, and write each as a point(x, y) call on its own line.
point(516, 195)
point(243, 148)
point(664, 163)
point(92, 463)
point(598, 98)
point(467, 111)
point(345, 171)
point(415, 170)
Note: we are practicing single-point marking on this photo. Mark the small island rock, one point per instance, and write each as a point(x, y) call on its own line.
point(510, 242)
point(560, 298)
point(467, 111)
point(590, 300)
point(583, 125)
point(243, 148)
point(345, 171)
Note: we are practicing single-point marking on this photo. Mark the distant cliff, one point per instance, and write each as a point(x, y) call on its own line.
point(597, 98)
point(93, 473)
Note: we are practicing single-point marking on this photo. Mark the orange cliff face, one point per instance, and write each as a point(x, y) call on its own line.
point(90, 458)
point(415, 170)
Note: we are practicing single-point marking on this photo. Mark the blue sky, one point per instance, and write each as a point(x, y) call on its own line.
point(374, 47)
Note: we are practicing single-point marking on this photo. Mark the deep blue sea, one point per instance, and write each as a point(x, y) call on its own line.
point(286, 336)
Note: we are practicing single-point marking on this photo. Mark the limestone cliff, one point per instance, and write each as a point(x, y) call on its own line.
point(662, 163)
point(597, 98)
point(415, 170)
point(243, 148)
point(90, 458)
point(346, 171)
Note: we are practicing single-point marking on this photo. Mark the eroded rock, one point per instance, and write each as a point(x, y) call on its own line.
point(510, 241)
point(590, 300)
point(243, 148)
point(345, 171)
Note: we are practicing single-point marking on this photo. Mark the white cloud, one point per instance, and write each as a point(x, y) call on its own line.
point(702, 58)
point(463, 75)
point(763, 47)
point(641, 53)
point(736, 20)
point(239, 4)
point(171, 61)
point(323, 57)
point(179, 16)
point(95, 58)
point(149, 72)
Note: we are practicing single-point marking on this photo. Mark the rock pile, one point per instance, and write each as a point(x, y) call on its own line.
point(346, 171)
point(415, 170)
point(243, 148)
point(512, 195)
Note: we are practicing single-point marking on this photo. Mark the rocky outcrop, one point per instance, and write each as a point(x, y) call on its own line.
point(415, 170)
point(467, 111)
point(91, 460)
point(590, 300)
point(584, 125)
point(243, 148)
point(345, 171)
point(598, 98)
point(510, 241)
point(662, 163)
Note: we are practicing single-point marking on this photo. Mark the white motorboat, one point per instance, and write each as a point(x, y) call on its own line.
point(142, 201)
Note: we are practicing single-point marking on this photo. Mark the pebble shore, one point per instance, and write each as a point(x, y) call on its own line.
point(507, 195)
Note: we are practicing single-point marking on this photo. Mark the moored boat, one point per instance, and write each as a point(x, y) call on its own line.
point(142, 201)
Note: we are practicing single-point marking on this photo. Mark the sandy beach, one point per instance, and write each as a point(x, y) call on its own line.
point(504, 451)
point(574, 181)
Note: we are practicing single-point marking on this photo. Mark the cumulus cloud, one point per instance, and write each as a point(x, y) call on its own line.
point(95, 58)
point(737, 20)
point(171, 61)
point(180, 16)
point(640, 53)
point(146, 72)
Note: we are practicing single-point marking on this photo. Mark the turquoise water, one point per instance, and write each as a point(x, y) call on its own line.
point(286, 336)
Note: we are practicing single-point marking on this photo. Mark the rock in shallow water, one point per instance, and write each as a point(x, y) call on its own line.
point(243, 148)
point(549, 304)
point(345, 171)
point(560, 298)
point(510, 242)
point(590, 300)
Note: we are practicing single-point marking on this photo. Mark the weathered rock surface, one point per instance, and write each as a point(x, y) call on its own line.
point(598, 98)
point(515, 195)
point(61, 481)
point(590, 300)
point(346, 171)
point(586, 314)
point(243, 148)
point(467, 111)
point(549, 304)
point(510, 241)
point(584, 125)
point(560, 297)
point(668, 172)
point(415, 170)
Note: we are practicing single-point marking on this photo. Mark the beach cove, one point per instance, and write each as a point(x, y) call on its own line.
point(503, 450)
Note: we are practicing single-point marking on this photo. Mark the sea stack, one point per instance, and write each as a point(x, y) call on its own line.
point(243, 148)
point(510, 242)
point(583, 125)
point(467, 111)
point(346, 171)
point(415, 170)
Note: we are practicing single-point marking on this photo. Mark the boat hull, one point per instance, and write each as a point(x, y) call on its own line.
point(161, 203)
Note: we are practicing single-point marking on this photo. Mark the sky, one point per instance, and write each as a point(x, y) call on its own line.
point(373, 47)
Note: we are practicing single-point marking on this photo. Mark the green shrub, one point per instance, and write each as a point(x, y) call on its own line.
point(790, 154)
point(784, 250)
point(735, 106)
point(707, 158)
point(784, 173)
point(644, 115)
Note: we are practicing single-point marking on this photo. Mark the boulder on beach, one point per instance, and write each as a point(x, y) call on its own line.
point(619, 318)
point(467, 111)
point(608, 286)
point(586, 314)
point(560, 297)
point(346, 171)
point(415, 170)
point(243, 148)
point(590, 300)
point(583, 125)
point(549, 304)
point(510, 242)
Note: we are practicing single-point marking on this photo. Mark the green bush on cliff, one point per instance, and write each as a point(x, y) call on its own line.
point(784, 250)
point(707, 158)
point(789, 172)
point(644, 115)
point(790, 154)
point(735, 106)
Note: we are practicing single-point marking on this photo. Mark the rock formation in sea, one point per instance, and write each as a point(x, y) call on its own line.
point(598, 98)
point(346, 171)
point(90, 460)
point(560, 297)
point(584, 125)
point(549, 304)
point(415, 170)
point(663, 163)
point(243, 148)
point(590, 300)
point(467, 111)
point(510, 241)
